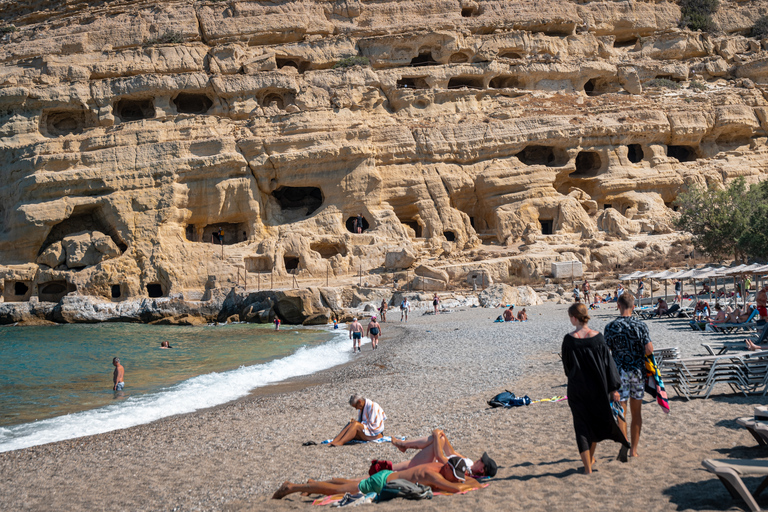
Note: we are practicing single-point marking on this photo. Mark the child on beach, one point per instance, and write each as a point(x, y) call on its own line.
point(277, 324)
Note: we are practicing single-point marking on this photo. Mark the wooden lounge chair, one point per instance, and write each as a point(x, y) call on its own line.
point(730, 472)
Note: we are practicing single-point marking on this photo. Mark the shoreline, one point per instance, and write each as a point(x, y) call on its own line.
point(434, 372)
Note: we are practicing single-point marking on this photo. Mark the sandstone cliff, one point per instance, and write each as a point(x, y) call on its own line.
point(133, 131)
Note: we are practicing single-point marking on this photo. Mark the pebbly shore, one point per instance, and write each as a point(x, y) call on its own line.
point(433, 372)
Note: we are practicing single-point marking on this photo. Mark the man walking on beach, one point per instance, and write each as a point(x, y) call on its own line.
point(355, 334)
point(117, 377)
point(405, 307)
point(630, 342)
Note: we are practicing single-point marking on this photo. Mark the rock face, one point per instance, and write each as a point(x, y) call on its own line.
point(503, 294)
point(133, 136)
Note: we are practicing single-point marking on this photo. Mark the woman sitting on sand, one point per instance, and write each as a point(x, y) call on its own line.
point(522, 316)
point(437, 448)
point(593, 382)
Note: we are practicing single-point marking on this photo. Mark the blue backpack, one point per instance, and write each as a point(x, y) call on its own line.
point(508, 399)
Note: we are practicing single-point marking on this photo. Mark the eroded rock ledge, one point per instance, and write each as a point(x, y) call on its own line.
point(524, 131)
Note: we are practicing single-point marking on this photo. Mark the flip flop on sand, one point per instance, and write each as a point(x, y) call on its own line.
point(309, 443)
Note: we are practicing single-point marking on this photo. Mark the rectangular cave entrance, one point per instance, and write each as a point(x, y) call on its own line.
point(505, 82)
point(305, 200)
point(538, 155)
point(413, 82)
point(53, 291)
point(588, 164)
point(17, 290)
point(231, 233)
point(546, 226)
point(470, 82)
point(291, 263)
point(134, 110)
point(329, 249)
point(62, 122)
point(189, 103)
point(155, 290)
point(414, 230)
point(297, 63)
point(116, 291)
point(424, 59)
point(682, 153)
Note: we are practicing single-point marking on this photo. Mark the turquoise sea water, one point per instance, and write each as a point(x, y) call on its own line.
point(56, 381)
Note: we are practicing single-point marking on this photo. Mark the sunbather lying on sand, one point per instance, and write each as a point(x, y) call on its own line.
point(448, 477)
point(437, 448)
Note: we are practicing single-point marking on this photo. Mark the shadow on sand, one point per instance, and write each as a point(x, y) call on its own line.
point(710, 495)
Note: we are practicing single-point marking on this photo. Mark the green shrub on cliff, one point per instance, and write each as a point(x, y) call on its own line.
point(7, 29)
point(664, 83)
point(697, 14)
point(760, 28)
point(725, 223)
point(354, 60)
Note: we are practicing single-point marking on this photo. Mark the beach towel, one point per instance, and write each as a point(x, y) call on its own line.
point(372, 417)
point(328, 500)
point(654, 385)
point(385, 439)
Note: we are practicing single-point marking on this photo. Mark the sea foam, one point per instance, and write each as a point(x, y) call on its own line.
point(193, 394)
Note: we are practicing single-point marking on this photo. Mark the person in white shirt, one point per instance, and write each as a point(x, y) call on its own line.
point(368, 426)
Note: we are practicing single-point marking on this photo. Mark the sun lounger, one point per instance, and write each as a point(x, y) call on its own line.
point(758, 429)
point(730, 472)
point(749, 325)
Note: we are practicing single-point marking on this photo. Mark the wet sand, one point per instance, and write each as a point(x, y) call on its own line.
point(436, 372)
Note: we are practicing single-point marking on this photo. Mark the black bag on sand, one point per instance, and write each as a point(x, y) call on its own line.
point(400, 488)
point(508, 399)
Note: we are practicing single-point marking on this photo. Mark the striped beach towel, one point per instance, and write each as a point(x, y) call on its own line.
point(372, 417)
point(654, 385)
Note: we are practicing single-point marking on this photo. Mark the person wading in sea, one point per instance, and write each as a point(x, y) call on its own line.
point(117, 377)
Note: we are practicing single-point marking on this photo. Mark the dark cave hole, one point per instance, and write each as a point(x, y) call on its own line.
point(20, 288)
point(116, 293)
point(424, 59)
point(154, 290)
point(415, 82)
point(505, 82)
point(635, 153)
point(187, 103)
point(134, 110)
point(588, 163)
point(470, 82)
point(682, 153)
point(537, 155)
point(352, 224)
point(291, 264)
point(294, 198)
point(450, 236)
point(546, 226)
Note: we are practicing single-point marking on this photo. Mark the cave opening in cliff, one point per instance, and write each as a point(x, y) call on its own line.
point(351, 224)
point(188, 103)
point(63, 122)
point(300, 65)
point(277, 98)
point(505, 82)
point(450, 236)
point(546, 226)
point(601, 85)
point(627, 42)
point(154, 290)
point(682, 153)
point(588, 164)
point(53, 291)
point(510, 55)
point(459, 58)
point(424, 59)
point(635, 153)
point(470, 11)
point(415, 228)
point(83, 218)
point(470, 82)
point(16, 291)
point(191, 233)
point(20, 288)
point(231, 233)
point(291, 263)
point(327, 249)
point(413, 82)
point(116, 292)
point(134, 110)
point(299, 198)
point(537, 155)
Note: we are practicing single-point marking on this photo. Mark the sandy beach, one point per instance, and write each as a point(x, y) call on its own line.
point(434, 372)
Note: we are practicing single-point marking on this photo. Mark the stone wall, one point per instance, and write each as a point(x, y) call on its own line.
point(133, 131)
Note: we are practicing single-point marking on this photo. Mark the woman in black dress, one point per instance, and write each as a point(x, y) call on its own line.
point(593, 381)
